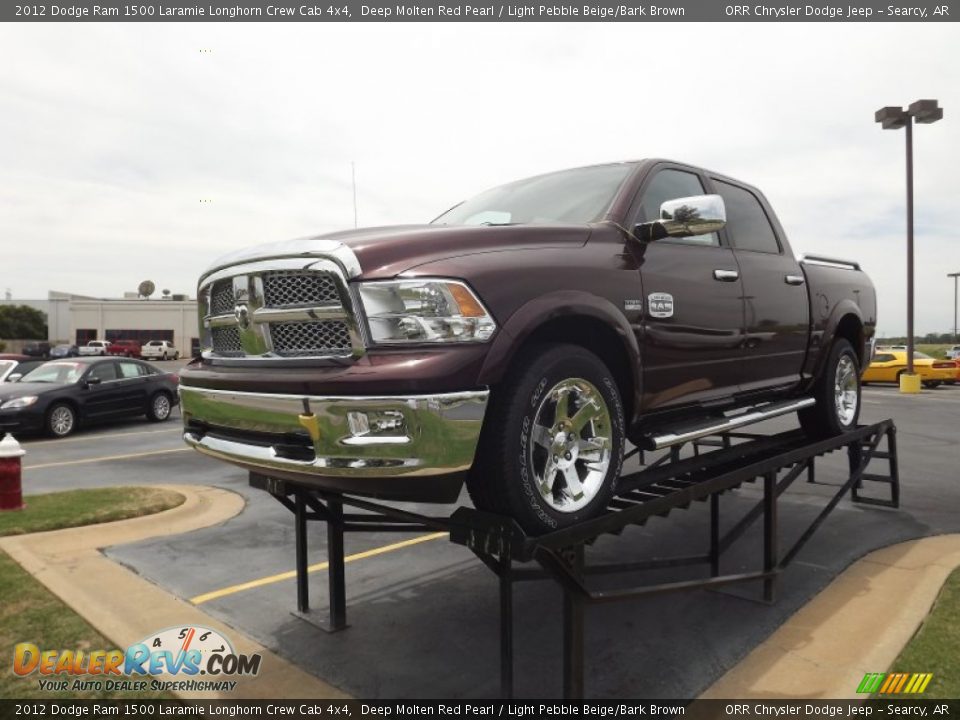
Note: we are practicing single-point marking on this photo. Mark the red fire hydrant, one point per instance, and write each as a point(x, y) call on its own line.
point(11, 490)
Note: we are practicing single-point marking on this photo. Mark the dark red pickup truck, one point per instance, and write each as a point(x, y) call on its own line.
point(126, 348)
point(522, 338)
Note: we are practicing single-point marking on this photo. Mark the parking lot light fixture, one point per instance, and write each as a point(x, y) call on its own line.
point(956, 338)
point(893, 117)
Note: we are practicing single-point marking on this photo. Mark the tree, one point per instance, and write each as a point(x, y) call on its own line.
point(22, 322)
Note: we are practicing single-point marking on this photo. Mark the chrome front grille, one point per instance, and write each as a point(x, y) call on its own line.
point(295, 339)
point(226, 341)
point(278, 310)
point(293, 288)
point(222, 297)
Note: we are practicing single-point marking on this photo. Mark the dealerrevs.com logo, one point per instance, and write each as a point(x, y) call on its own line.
point(197, 658)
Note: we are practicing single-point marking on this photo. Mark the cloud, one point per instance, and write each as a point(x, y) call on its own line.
point(112, 134)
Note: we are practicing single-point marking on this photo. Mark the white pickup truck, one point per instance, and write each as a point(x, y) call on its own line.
point(94, 347)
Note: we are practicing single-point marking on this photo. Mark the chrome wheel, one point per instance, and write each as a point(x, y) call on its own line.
point(571, 444)
point(845, 390)
point(61, 420)
point(161, 407)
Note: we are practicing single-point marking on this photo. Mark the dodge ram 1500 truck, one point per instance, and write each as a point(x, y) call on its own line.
point(521, 339)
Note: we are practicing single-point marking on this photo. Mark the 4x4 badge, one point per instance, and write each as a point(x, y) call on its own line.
point(660, 305)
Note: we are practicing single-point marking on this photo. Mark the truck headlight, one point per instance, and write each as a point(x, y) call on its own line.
point(418, 311)
point(20, 402)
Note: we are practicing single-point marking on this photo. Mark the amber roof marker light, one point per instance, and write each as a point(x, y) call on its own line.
point(890, 117)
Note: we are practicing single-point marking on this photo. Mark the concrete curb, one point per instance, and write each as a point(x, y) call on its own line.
point(126, 608)
point(858, 624)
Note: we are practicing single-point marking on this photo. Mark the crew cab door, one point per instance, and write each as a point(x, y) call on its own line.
point(692, 305)
point(776, 303)
point(135, 384)
point(104, 397)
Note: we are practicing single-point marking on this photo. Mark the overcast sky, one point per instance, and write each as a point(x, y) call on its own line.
point(111, 135)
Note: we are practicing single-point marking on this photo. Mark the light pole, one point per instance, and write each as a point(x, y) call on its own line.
point(955, 275)
point(894, 118)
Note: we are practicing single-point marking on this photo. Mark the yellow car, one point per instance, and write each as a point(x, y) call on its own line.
point(888, 365)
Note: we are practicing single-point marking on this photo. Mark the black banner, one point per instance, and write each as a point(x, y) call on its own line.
point(477, 11)
point(695, 710)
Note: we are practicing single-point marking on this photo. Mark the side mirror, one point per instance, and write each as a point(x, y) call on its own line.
point(91, 381)
point(14, 377)
point(685, 217)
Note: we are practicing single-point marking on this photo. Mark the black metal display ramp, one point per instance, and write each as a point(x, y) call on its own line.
point(672, 482)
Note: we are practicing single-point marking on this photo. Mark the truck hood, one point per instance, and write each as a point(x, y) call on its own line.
point(383, 252)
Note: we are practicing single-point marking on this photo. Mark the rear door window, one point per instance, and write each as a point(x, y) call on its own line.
point(130, 370)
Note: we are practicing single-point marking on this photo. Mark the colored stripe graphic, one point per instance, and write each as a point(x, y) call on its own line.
point(894, 683)
point(870, 683)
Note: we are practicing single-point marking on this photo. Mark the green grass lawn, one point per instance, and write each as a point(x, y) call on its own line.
point(85, 507)
point(936, 646)
point(935, 351)
point(31, 613)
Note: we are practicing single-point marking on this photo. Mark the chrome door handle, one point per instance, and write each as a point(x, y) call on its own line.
point(794, 279)
point(726, 275)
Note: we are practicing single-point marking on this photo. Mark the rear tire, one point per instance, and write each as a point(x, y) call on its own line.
point(551, 449)
point(160, 407)
point(931, 384)
point(837, 392)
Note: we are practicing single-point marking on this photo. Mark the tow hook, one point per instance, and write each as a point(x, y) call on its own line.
point(310, 421)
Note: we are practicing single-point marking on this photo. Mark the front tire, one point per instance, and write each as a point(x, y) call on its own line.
point(160, 407)
point(551, 450)
point(837, 392)
point(61, 420)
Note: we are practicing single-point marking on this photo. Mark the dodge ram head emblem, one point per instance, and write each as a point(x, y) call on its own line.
point(660, 305)
point(243, 316)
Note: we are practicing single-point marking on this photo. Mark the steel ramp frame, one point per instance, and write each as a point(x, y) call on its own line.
point(717, 465)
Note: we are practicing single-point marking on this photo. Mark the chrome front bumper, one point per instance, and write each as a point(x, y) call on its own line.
point(338, 442)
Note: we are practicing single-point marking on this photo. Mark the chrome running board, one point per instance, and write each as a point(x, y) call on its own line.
point(692, 431)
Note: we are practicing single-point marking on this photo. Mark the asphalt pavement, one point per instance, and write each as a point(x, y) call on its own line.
point(424, 616)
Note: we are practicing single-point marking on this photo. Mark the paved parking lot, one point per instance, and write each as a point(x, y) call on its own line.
point(423, 615)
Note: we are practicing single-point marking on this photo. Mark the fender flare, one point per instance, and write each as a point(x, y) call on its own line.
point(560, 304)
point(828, 334)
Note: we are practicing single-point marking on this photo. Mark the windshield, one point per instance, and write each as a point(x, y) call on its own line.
point(569, 196)
point(5, 365)
point(61, 373)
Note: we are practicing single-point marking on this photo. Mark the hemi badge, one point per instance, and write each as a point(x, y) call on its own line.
point(633, 305)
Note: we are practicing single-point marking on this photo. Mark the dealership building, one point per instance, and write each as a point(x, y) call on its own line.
point(78, 318)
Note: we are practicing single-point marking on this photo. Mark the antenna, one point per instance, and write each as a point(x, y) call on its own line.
point(353, 177)
point(146, 288)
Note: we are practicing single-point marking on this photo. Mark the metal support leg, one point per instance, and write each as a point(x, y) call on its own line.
point(770, 534)
point(715, 535)
point(573, 612)
point(335, 560)
point(333, 514)
point(303, 580)
point(894, 467)
point(505, 576)
point(811, 471)
point(855, 460)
